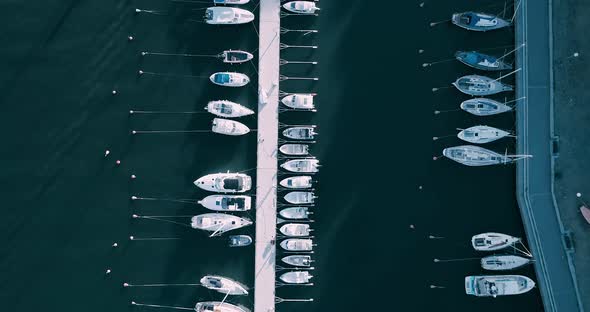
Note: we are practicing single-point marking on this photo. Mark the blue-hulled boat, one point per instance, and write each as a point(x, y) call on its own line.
point(478, 21)
point(481, 61)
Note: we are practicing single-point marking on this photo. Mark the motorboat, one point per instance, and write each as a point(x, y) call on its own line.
point(227, 202)
point(218, 223)
point(298, 260)
point(235, 56)
point(480, 85)
point(497, 285)
point(227, 16)
point(294, 149)
point(585, 213)
point(225, 182)
point(484, 107)
point(295, 229)
point(300, 198)
point(217, 306)
point(229, 79)
point(223, 285)
point(474, 156)
point(478, 21)
point(229, 127)
point(503, 262)
point(492, 241)
point(301, 7)
point(296, 277)
point(297, 182)
point(230, 1)
point(300, 133)
point(299, 101)
point(481, 61)
point(295, 213)
point(239, 240)
point(297, 244)
point(227, 109)
point(482, 134)
point(307, 165)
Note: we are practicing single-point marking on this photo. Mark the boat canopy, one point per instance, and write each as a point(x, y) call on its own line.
point(222, 78)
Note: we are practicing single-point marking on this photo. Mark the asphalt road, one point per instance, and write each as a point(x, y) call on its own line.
point(534, 177)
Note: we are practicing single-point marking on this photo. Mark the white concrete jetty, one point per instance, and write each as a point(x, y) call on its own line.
point(266, 172)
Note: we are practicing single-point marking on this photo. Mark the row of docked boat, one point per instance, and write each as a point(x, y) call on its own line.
point(294, 222)
point(498, 285)
point(480, 86)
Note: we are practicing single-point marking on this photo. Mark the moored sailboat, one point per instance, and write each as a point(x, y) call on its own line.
point(503, 262)
point(218, 223)
point(484, 107)
point(478, 21)
point(482, 134)
point(492, 241)
point(227, 109)
point(477, 85)
point(227, 16)
point(223, 285)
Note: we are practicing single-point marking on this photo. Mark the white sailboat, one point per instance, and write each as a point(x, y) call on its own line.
point(484, 107)
point(223, 285)
point(227, 202)
point(225, 182)
point(482, 134)
point(497, 285)
point(299, 198)
point(295, 229)
point(296, 277)
point(231, 1)
point(297, 244)
point(218, 223)
point(492, 241)
point(308, 165)
point(229, 127)
point(227, 16)
point(297, 182)
point(229, 79)
point(227, 109)
point(503, 262)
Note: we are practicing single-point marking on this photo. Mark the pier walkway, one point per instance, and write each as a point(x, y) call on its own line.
point(266, 172)
point(535, 175)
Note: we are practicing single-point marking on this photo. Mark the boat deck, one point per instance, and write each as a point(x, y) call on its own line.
point(267, 149)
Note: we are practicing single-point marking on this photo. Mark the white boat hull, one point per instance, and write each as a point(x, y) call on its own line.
point(301, 7)
point(297, 244)
point(296, 277)
point(229, 127)
point(227, 16)
point(492, 241)
point(227, 109)
point(299, 101)
point(295, 229)
point(300, 197)
point(229, 79)
point(295, 149)
point(295, 213)
point(298, 260)
point(503, 262)
point(227, 202)
point(224, 285)
point(482, 134)
point(218, 223)
point(225, 182)
point(301, 165)
point(497, 285)
point(217, 306)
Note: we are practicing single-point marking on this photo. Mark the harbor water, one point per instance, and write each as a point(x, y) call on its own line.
point(381, 194)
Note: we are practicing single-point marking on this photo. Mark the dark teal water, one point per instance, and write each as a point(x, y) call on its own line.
point(65, 204)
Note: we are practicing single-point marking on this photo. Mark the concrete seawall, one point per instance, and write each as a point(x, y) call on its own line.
point(534, 176)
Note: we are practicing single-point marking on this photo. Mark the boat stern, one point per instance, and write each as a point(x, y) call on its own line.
point(470, 285)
